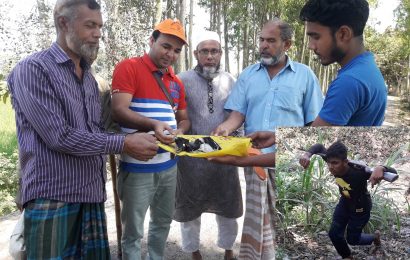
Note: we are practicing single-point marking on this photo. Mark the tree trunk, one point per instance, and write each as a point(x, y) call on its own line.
point(180, 64)
point(211, 16)
point(238, 54)
point(245, 40)
point(408, 81)
point(324, 79)
point(111, 39)
point(245, 58)
point(309, 63)
point(219, 18)
point(319, 75)
point(158, 13)
point(191, 22)
point(43, 17)
point(169, 9)
point(225, 18)
point(304, 46)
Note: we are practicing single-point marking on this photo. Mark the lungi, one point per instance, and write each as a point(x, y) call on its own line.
point(60, 230)
point(258, 234)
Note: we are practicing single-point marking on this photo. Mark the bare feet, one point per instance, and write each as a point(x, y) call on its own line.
point(196, 255)
point(377, 249)
point(377, 242)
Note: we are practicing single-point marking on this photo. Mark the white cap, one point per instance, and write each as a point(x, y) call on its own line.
point(206, 36)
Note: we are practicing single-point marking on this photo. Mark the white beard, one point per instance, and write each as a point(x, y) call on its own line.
point(208, 71)
point(85, 51)
point(271, 61)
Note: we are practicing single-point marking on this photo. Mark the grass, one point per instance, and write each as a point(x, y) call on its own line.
point(8, 138)
point(8, 159)
point(7, 117)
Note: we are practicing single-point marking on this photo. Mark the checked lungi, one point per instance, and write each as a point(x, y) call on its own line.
point(258, 234)
point(59, 230)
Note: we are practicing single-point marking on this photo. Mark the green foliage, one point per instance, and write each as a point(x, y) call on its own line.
point(8, 159)
point(403, 21)
point(7, 120)
point(385, 212)
point(304, 197)
point(391, 56)
point(8, 182)
point(4, 92)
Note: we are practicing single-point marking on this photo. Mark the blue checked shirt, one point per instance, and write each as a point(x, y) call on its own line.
point(292, 98)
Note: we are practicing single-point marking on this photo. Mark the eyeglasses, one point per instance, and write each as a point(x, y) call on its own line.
point(206, 52)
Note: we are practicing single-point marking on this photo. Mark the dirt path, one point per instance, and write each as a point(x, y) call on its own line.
point(395, 115)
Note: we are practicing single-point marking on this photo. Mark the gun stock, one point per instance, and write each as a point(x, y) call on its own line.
point(387, 176)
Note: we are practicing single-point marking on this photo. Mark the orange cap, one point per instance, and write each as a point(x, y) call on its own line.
point(172, 27)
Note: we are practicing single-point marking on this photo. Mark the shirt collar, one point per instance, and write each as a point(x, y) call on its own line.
point(62, 57)
point(59, 54)
point(152, 67)
point(354, 60)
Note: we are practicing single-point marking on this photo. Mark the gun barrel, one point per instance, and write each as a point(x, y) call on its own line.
point(390, 176)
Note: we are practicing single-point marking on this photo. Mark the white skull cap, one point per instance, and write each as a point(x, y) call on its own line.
point(206, 36)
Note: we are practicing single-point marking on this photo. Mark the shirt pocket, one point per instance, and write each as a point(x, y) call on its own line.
point(288, 98)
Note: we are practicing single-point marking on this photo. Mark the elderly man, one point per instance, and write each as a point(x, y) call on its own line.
point(276, 92)
point(147, 96)
point(203, 186)
point(62, 146)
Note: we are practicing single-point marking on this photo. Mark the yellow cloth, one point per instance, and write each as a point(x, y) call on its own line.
point(230, 145)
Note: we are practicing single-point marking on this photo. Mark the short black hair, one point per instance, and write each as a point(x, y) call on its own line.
point(156, 34)
point(337, 150)
point(336, 13)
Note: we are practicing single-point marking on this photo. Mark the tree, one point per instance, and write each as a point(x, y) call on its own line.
point(191, 22)
point(124, 41)
point(180, 8)
point(403, 26)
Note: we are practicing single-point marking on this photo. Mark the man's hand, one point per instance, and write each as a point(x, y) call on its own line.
point(234, 121)
point(304, 160)
point(160, 128)
point(140, 146)
point(377, 175)
point(262, 139)
point(221, 130)
point(262, 160)
point(177, 132)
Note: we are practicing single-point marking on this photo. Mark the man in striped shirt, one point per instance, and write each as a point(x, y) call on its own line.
point(139, 103)
point(62, 145)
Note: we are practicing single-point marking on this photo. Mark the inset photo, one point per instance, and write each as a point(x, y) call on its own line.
point(343, 193)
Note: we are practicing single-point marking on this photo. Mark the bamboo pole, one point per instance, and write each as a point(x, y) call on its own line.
point(117, 205)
